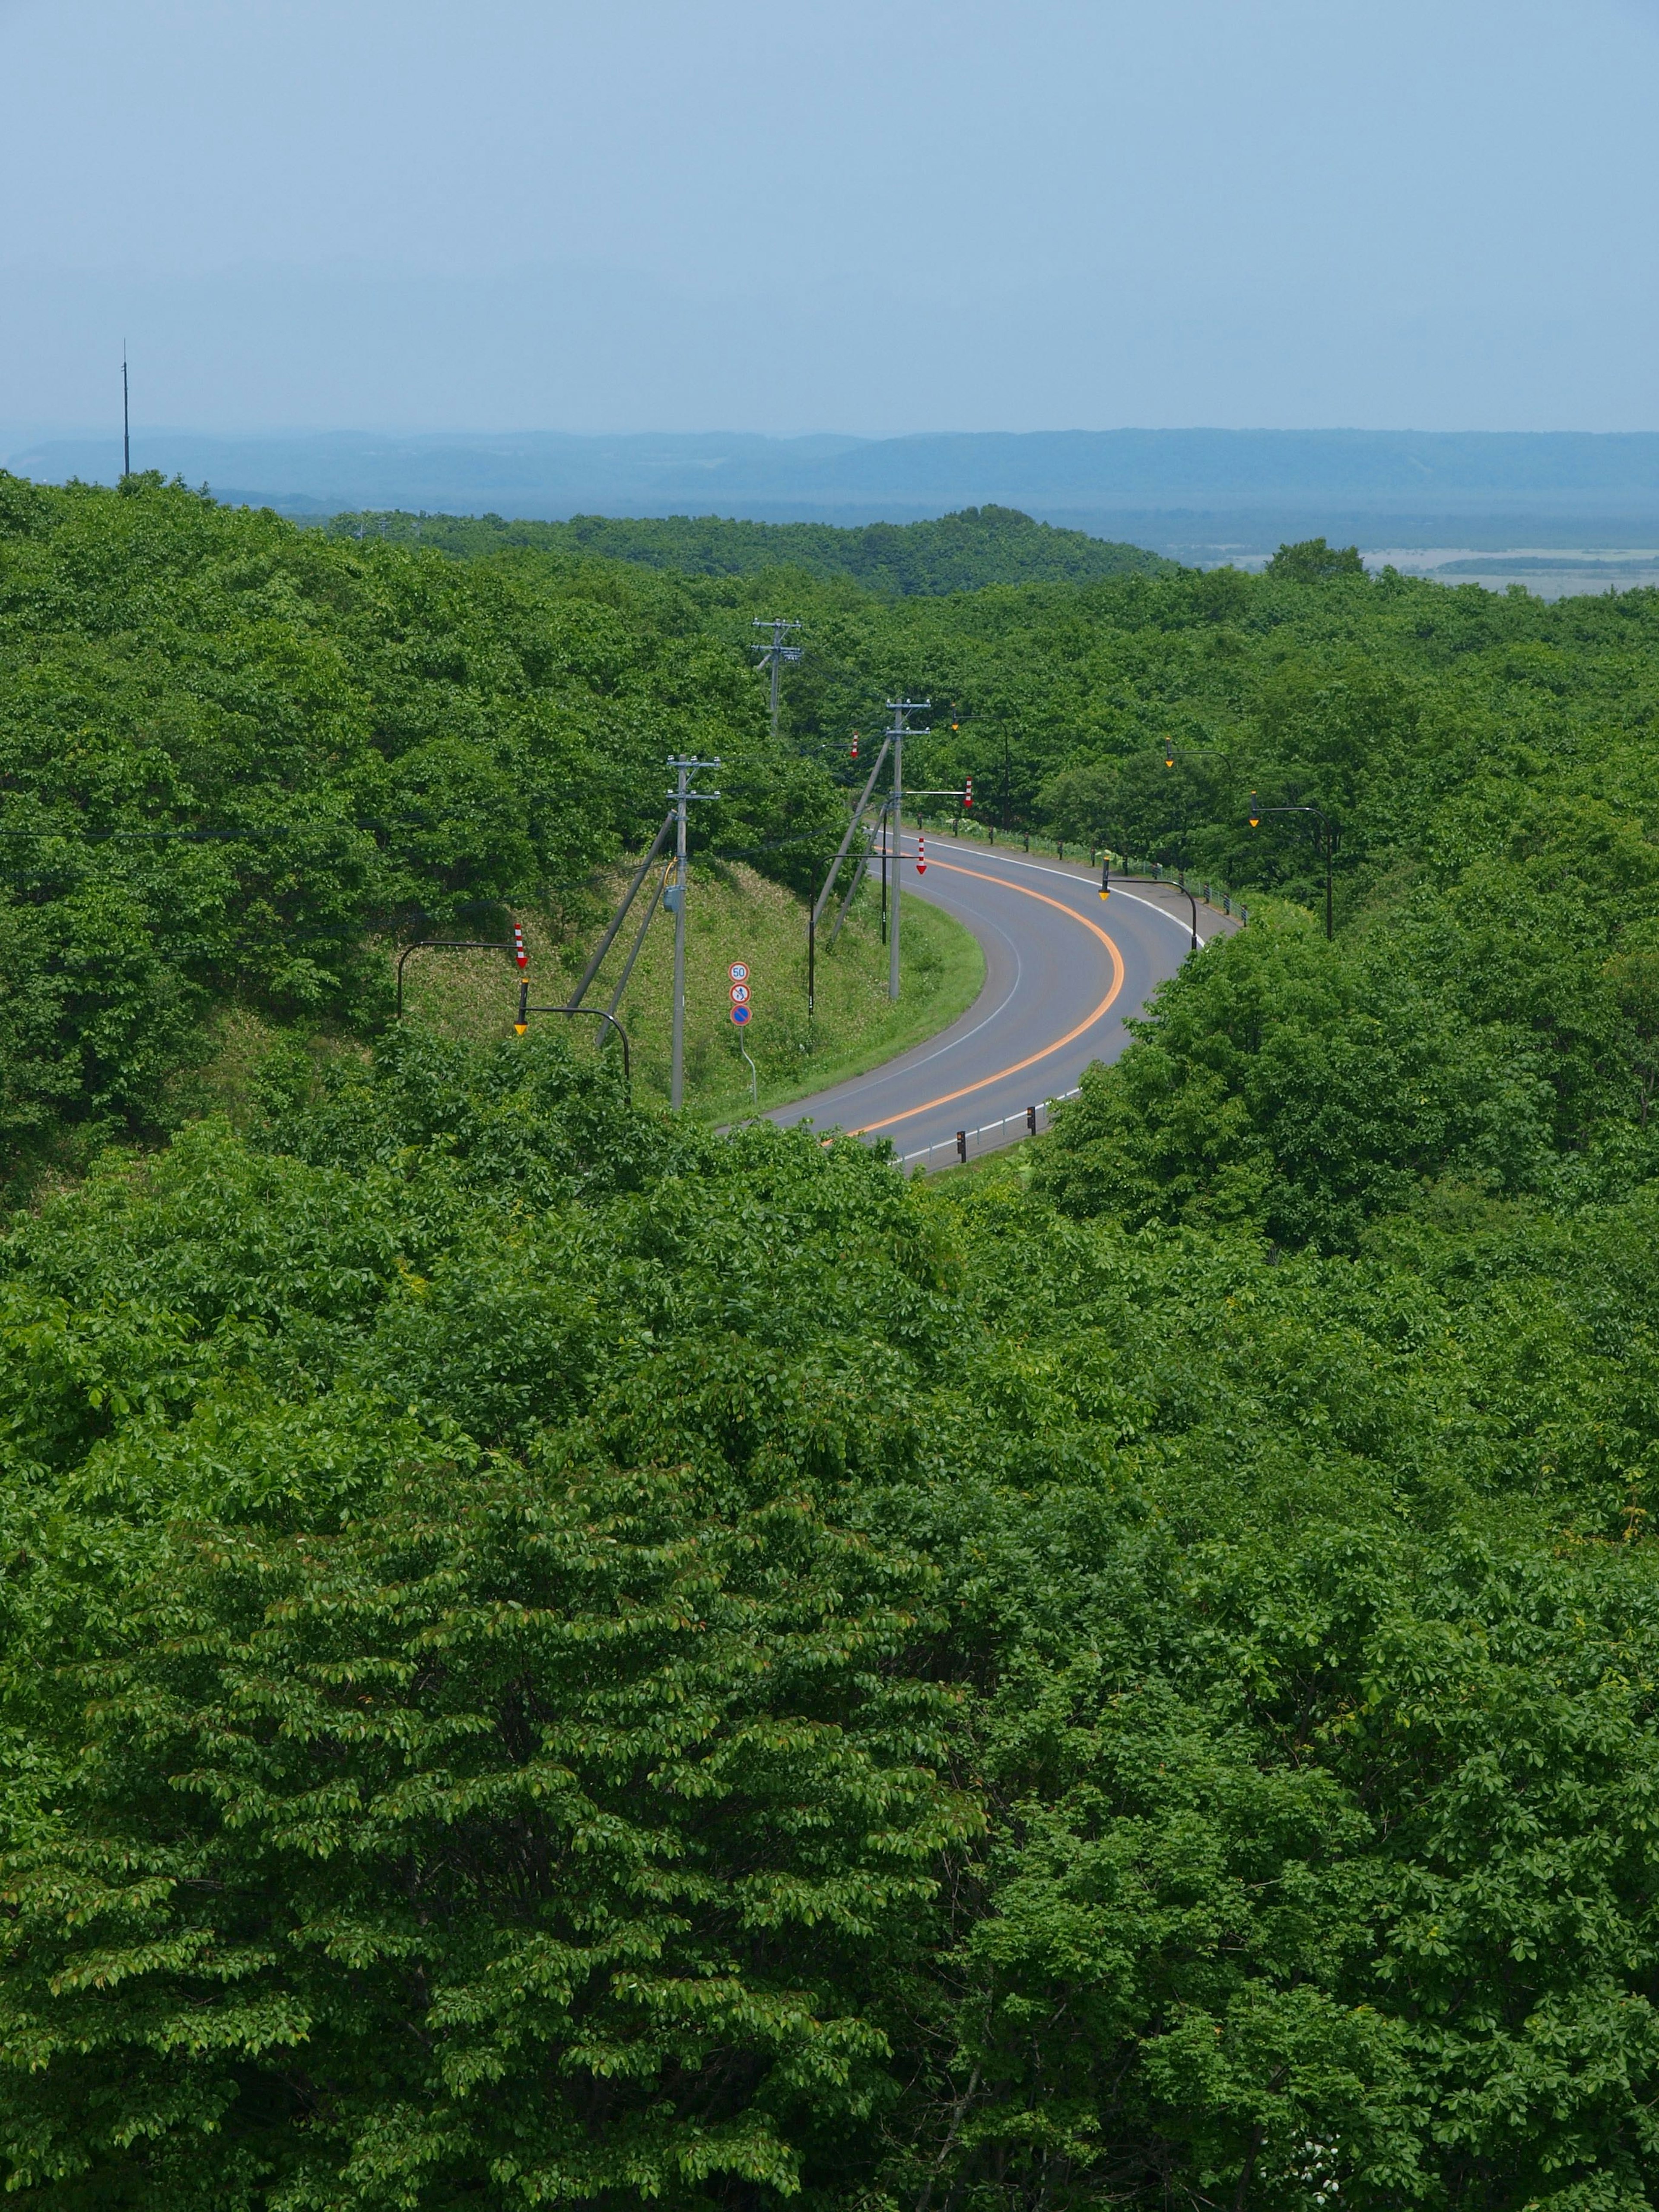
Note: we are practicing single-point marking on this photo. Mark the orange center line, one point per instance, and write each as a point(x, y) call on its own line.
point(1031, 1059)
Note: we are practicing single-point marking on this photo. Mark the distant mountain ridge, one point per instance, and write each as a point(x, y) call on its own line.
point(1158, 486)
point(961, 552)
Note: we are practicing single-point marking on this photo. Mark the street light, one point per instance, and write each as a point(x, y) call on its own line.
point(1326, 834)
point(1106, 892)
point(1172, 752)
point(591, 1013)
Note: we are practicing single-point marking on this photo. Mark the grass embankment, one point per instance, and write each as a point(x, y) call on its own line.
point(733, 915)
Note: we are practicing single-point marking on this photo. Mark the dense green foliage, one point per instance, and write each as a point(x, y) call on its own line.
point(553, 1658)
point(234, 753)
point(958, 553)
point(1491, 1008)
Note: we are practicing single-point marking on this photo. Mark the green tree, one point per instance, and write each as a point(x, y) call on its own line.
point(1312, 561)
point(1301, 1088)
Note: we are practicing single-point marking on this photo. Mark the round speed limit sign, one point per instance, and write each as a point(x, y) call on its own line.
point(738, 971)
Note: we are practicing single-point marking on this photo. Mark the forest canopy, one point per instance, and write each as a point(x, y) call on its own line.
point(958, 552)
point(238, 759)
point(552, 1654)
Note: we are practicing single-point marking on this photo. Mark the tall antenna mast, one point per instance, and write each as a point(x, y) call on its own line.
point(127, 417)
point(775, 654)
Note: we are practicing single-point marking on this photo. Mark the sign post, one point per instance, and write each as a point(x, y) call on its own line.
point(742, 1014)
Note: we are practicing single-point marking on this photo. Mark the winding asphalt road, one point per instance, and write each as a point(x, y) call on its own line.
point(1063, 968)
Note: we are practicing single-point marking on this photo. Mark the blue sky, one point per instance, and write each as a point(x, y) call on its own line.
point(864, 215)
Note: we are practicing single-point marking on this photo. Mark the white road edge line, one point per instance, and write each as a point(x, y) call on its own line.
point(1038, 868)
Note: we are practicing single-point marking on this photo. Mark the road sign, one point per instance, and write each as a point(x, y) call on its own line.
point(738, 971)
point(740, 994)
point(740, 1015)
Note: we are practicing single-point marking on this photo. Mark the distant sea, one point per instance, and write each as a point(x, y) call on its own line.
point(1557, 512)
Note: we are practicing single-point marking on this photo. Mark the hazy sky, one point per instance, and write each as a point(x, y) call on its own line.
point(868, 216)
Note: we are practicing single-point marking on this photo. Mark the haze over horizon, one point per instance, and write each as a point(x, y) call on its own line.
point(894, 216)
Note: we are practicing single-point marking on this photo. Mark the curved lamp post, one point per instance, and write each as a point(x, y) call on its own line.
point(592, 1013)
point(1106, 892)
point(1325, 835)
point(1169, 753)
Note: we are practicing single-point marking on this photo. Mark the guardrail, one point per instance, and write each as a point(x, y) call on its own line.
point(967, 1143)
point(1215, 895)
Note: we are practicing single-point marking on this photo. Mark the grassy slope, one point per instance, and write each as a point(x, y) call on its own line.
point(733, 915)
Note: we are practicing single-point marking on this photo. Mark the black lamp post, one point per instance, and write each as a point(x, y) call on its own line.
point(1106, 889)
point(1326, 834)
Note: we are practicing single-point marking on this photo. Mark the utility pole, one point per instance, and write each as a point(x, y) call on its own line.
point(127, 417)
point(895, 736)
point(775, 654)
point(684, 767)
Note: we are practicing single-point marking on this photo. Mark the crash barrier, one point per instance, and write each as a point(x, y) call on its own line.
point(990, 1136)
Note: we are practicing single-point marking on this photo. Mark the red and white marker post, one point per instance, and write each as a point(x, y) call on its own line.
point(921, 855)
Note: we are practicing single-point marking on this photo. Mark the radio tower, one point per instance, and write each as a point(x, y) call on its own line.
point(775, 654)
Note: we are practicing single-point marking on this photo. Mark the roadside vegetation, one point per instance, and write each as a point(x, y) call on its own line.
point(550, 1654)
point(736, 914)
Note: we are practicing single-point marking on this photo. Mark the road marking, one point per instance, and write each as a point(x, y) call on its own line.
point(1039, 868)
point(1060, 906)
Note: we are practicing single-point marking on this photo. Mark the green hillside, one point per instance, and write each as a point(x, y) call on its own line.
point(241, 760)
point(958, 553)
point(548, 1655)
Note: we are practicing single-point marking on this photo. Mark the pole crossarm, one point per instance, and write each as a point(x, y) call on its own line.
point(774, 656)
point(621, 914)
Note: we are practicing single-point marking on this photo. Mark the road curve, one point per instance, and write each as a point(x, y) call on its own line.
point(1063, 969)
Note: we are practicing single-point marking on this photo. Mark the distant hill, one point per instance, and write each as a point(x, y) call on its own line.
point(957, 553)
point(1213, 492)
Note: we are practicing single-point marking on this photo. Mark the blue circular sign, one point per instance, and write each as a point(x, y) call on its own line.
point(740, 1015)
